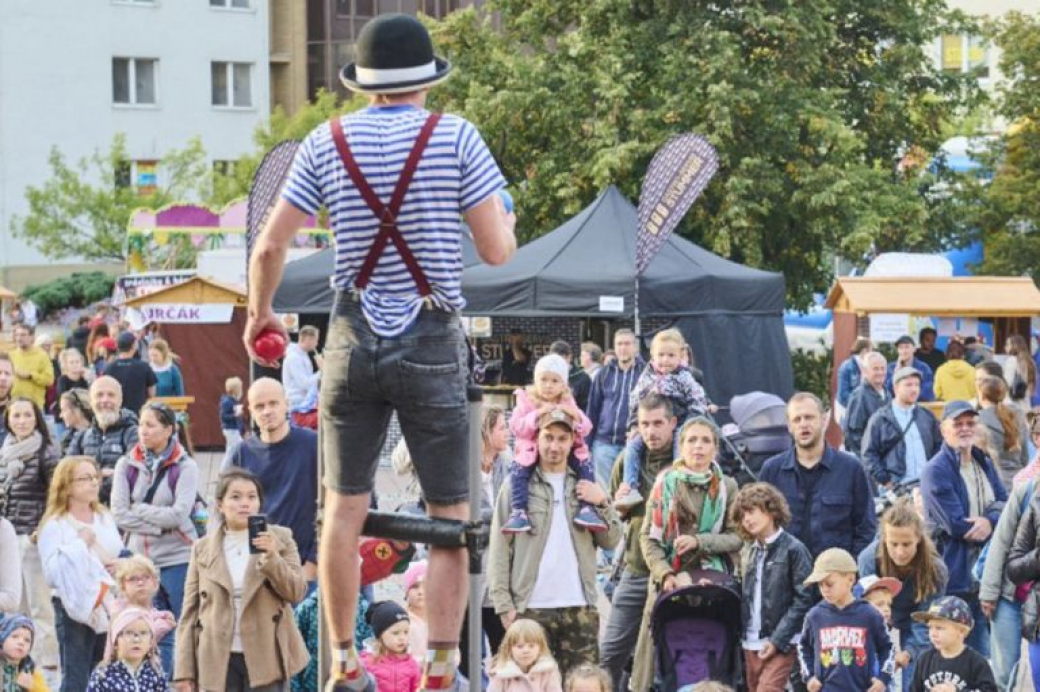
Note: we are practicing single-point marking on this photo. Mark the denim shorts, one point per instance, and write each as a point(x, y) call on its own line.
point(421, 375)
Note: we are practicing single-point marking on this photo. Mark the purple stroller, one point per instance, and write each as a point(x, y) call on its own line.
point(696, 633)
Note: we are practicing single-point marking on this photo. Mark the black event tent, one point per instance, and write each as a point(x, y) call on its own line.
point(731, 315)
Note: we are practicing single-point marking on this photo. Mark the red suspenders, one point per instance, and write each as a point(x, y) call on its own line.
point(387, 214)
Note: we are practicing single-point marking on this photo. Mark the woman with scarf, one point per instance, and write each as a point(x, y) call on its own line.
point(687, 528)
point(153, 495)
point(27, 461)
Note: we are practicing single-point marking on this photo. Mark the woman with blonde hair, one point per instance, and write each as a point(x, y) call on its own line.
point(164, 365)
point(79, 546)
point(1019, 371)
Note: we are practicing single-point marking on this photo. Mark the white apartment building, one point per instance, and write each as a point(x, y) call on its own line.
point(962, 53)
point(73, 73)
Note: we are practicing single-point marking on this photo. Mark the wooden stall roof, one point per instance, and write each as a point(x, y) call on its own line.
point(197, 290)
point(959, 296)
point(5, 293)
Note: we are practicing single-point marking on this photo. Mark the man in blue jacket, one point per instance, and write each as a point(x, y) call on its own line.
point(608, 404)
point(963, 498)
point(906, 359)
point(901, 436)
point(827, 490)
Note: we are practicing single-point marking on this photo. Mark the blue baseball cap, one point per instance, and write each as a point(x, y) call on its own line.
point(954, 409)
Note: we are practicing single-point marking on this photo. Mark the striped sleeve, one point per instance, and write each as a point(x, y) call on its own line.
point(302, 189)
point(481, 176)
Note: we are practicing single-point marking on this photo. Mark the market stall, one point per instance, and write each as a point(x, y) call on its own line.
point(203, 321)
point(881, 307)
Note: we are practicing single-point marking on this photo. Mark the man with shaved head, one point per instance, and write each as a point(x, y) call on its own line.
point(112, 434)
point(285, 459)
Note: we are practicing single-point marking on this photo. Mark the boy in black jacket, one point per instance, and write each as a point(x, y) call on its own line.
point(775, 600)
point(951, 666)
point(845, 638)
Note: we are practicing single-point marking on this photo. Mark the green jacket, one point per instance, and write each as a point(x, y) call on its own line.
point(513, 560)
point(653, 464)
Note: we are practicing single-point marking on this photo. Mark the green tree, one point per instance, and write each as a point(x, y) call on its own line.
point(1003, 201)
point(811, 105)
point(83, 209)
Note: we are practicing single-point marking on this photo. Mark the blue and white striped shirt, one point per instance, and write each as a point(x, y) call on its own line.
point(455, 174)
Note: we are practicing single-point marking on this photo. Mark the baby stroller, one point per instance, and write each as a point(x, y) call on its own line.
point(758, 431)
point(696, 633)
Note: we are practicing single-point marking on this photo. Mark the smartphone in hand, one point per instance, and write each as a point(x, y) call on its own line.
point(257, 524)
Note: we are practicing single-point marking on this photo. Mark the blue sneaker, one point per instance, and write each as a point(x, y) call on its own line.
point(587, 519)
point(518, 523)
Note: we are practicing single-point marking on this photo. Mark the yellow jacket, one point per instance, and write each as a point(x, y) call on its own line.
point(955, 380)
point(41, 374)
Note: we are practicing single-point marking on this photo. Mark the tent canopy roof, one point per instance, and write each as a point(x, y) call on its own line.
point(961, 296)
point(6, 293)
point(592, 255)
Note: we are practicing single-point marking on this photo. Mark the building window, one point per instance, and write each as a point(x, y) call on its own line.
point(364, 8)
point(142, 176)
point(231, 84)
point(232, 4)
point(133, 81)
point(964, 53)
point(439, 9)
point(343, 8)
point(224, 168)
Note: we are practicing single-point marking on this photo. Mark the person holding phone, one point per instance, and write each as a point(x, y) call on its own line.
point(250, 569)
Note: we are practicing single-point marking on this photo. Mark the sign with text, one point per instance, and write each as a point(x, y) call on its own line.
point(182, 313)
point(887, 327)
point(678, 173)
point(612, 303)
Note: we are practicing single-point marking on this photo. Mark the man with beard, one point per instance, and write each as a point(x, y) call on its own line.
point(285, 459)
point(827, 490)
point(112, 434)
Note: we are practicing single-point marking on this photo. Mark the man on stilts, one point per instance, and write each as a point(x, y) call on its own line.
point(395, 180)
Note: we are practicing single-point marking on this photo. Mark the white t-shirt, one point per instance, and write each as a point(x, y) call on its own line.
point(236, 553)
point(559, 578)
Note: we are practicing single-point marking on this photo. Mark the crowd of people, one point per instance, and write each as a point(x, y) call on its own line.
point(922, 538)
point(905, 559)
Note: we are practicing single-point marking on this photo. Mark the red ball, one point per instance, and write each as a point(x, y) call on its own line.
point(270, 345)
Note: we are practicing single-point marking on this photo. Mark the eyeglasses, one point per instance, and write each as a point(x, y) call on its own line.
point(139, 579)
point(136, 636)
point(964, 424)
point(86, 479)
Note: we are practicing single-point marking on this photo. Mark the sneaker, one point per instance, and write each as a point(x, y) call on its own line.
point(630, 500)
point(518, 523)
point(587, 519)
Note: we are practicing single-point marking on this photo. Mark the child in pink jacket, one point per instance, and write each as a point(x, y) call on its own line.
point(549, 392)
point(389, 661)
point(523, 663)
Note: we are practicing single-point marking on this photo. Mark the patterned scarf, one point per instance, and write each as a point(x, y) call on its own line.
point(664, 519)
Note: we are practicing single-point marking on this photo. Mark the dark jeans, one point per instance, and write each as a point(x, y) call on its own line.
point(421, 375)
point(238, 678)
point(626, 613)
point(79, 647)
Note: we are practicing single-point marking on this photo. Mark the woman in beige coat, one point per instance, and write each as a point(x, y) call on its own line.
point(237, 632)
point(687, 528)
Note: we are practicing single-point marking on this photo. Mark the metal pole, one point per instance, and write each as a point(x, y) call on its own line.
point(635, 310)
point(476, 543)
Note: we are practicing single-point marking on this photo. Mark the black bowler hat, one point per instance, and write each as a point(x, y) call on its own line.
point(394, 55)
